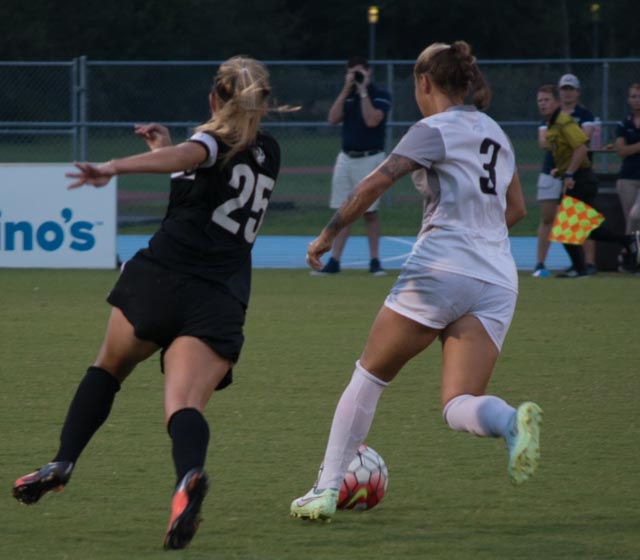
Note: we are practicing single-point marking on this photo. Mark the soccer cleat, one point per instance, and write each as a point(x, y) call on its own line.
point(52, 477)
point(629, 257)
point(541, 271)
point(572, 273)
point(332, 267)
point(635, 246)
point(375, 268)
point(523, 442)
point(591, 269)
point(315, 506)
point(185, 509)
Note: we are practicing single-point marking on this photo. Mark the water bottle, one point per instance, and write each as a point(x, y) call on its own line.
point(596, 137)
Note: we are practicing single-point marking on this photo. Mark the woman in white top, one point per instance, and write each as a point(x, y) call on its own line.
point(460, 282)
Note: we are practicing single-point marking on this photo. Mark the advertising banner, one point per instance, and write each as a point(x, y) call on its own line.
point(44, 225)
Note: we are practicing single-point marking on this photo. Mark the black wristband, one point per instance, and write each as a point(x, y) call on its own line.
point(567, 176)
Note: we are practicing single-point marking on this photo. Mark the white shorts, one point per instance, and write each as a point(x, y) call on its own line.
point(627, 184)
point(348, 172)
point(436, 299)
point(549, 188)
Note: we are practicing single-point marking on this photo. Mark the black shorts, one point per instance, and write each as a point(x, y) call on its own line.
point(163, 304)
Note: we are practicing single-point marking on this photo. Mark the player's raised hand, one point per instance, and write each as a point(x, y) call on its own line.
point(88, 174)
point(154, 134)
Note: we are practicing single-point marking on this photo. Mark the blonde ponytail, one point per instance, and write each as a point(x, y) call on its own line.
point(241, 87)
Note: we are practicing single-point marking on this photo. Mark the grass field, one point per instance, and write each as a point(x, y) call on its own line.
point(572, 348)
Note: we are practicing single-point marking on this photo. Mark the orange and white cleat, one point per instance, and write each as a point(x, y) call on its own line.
point(29, 488)
point(185, 509)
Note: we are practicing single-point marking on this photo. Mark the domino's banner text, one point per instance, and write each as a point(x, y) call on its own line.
point(44, 225)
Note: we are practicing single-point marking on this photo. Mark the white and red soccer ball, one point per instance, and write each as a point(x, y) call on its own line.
point(365, 481)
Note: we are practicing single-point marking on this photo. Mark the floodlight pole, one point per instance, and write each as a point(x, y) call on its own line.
point(595, 20)
point(373, 19)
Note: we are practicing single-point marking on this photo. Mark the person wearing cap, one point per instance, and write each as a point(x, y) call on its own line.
point(549, 188)
point(568, 145)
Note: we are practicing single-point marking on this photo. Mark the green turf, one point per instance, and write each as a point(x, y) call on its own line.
point(572, 348)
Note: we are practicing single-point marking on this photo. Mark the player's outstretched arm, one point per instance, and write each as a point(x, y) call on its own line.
point(88, 174)
point(182, 157)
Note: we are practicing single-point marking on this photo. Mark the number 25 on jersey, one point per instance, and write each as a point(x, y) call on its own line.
point(246, 183)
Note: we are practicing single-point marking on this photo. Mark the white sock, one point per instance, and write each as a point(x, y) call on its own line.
point(482, 416)
point(351, 422)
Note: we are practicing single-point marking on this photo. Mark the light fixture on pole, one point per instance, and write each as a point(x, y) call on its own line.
point(373, 13)
point(594, 8)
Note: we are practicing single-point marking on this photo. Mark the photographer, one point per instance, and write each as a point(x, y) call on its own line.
point(362, 108)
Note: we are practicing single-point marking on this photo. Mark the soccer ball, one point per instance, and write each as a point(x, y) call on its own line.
point(365, 482)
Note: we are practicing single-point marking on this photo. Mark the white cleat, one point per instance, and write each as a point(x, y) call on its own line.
point(314, 505)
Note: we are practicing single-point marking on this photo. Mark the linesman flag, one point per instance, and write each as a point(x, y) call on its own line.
point(574, 221)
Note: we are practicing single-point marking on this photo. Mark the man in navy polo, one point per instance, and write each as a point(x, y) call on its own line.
point(362, 108)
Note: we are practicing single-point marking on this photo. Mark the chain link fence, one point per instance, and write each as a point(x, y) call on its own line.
point(85, 109)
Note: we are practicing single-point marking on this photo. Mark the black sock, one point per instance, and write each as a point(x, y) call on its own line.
point(189, 433)
point(87, 412)
point(576, 254)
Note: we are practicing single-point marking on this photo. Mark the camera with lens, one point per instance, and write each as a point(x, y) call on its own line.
point(358, 76)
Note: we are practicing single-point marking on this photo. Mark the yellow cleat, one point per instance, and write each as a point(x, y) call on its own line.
point(523, 442)
point(314, 505)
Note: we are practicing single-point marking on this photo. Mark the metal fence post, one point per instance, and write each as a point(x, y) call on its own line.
point(82, 109)
point(604, 120)
point(388, 140)
point(605, 91)
point(73, 118)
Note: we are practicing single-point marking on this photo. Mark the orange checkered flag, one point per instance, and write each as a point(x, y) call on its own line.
point(574, 221)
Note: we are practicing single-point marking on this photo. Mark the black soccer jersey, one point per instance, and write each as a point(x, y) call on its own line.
point(215, 212)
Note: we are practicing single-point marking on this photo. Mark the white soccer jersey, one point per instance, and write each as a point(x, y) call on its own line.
point(467, 164)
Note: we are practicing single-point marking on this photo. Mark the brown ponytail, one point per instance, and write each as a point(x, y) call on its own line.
point(454, 71)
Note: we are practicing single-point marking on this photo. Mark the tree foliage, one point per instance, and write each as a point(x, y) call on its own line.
point(290, 29)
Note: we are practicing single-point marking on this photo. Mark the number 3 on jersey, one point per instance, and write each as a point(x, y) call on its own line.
point(246, 183)
point(488, 184)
